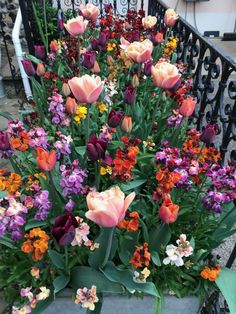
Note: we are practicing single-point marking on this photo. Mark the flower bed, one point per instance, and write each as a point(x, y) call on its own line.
point(112, 188)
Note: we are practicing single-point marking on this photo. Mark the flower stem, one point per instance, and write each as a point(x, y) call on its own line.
point(79, 53)
point(87, 126)
point(97, 175)
point(109, 245)
point(155, 110)
point(66, 259)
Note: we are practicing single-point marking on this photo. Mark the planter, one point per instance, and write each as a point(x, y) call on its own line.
point(115, 304)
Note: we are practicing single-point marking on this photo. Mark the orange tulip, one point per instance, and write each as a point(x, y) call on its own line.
point(168, 211)
point(71, 105)
point(126, 125)
point(40, 69)
point(187, 106)
point(46, 161)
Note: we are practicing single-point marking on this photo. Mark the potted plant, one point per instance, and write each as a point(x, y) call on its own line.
point(113, 191)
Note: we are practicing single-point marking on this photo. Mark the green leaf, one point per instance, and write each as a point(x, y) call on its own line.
point(33, 59)
point(6, 115)
point(3, 194)
point(127, 246)
point(125, 277)
point(7, 242)
point(34, 224)
point(96, 257)
point(192, 243)
point(226, 283)
point(80, 150)
point(156, 258)
point(144, 230)
point(132, 184)
point(159, 236)
point(60, 282)
point(83, 276)
point(57, 259)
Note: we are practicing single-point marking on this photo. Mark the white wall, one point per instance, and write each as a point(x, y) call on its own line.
point(213, 15)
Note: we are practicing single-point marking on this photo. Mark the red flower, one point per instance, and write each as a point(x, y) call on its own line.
point(141, 256)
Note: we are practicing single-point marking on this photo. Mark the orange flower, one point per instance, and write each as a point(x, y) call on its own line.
point(46, 161)
point(211, 273)
point(167, 180)
point(141, 256)
point(130, 223)
point(36, 243)
point(10, 182)
point(168, 211)
point(20, 143)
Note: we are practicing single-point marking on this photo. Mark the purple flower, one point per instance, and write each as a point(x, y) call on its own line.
point(58, 110)
point(147, 67)
point(63, 229)
point(114, 118)
point(42, 203)
point(72, 179)
point(39, 51)
point(213, 201)
point(69, 205)
point(38, 138)
point(28, 67)
point(88, 59)
point(209, 133)
point(5, 147)
point(62, 145)
point(100, 43)
point(130, 95)
point(174, 120)
point(96, 148)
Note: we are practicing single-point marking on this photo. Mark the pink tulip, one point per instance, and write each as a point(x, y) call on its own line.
point(187, 107)
point(140, 51)
point(170, 17)
point(96, 68)
point(89, 11)
point(159, 38)
point(76, 26)
point(124, 43)
point(86, 88)
point(165, 75)
point(108, 208)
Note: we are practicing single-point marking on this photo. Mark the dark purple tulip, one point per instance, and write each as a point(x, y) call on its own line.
point(39, 51)
point(147, 67)
point(100, 43)
point(114, 118)
point(88, 59)
point(209, 133)
point(133, 36)
point(4, 142)
point(28, 67)
point(63, 230)
point(60, 24)
point(129, 95)
point(96, 148)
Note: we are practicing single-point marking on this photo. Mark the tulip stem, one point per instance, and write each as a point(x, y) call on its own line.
point(109, 245)
point(97, 175)
point(52, 188)
point(87, 126)
point(155, 110)
point(79, 53)
point(66, 259)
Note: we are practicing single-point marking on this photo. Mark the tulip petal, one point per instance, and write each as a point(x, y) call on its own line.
point(102, 218)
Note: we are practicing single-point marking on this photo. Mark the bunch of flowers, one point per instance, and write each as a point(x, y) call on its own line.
point(108, 171)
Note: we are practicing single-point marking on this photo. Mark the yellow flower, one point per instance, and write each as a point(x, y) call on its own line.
point(102, 107)
point(103, 171)
point(80, 113)
point(111, 46)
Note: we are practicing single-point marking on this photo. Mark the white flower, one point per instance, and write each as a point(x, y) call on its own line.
point(44, 294)
point(142, 276)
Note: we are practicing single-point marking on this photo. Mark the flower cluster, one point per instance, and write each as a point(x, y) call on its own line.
point(38, 138)
point(62, 145)
point(12, 217)
point(141, 276)
point(141, 256)
point(9, 181)
point(72, 179)
point(211, 273)
point(36, 243)
point(57, 110)
point(130, 223)
point(176, 253)
point(87, 297)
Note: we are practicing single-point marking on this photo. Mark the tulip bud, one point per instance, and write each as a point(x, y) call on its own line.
point(96, 68)
point(130, 95)
point(71, 105)
point(54, 46)
point(96, 148)
point(46, 161)
point(28, 67)
point(63, 230)
point(4, 142)
point(159, 38)
point(135, 81)
point(168, 211)
point(148, 67)
point(187, 107)
point(39, 51)
point(66, 89)
point(114, 118)
point(110, 60)
point(126, 125)
point(170, 17)
point(40, 69)
point(60, 24)
point(209, 133)
point(88, 59)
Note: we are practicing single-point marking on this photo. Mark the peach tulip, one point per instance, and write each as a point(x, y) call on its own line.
point(96, 68)
point(108, 208)
point(89, 11)
point(168, 211)
point(187, 107)
point(140, 51)
point(86, 88)
point(65, 89)
point(40, 69)
point(126, 125)
point(149, 21)
point(46, 161)
point(159, 38)
point(165, 75)
point(170, 17)
point(76, 26)
point(71, 105)
point(124, 43)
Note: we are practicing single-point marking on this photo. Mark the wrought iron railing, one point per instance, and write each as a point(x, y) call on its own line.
point(214, 80)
